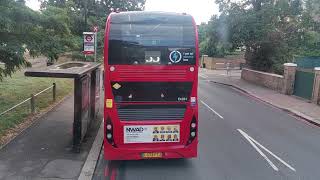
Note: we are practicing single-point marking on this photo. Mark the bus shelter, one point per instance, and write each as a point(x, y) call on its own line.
point(86, 77)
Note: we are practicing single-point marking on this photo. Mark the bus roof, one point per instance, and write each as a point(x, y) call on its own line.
point(150, 16)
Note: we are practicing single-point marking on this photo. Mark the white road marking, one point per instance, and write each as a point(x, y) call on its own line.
point(211, 109)
point(275, 156)
point(222, 74)
point(254, 143)
point(258, 150)
point(203, 75)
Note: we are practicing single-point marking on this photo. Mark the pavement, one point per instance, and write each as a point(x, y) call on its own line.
point(295, 105)
point(240, 138)
point(44, 150)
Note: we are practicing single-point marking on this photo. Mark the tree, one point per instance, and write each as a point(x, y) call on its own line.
point(85, 14)
point(17, 32)
point(215, 42)
point(56, 3)
point(271, 30)
point(55, 35)
point(202, 32)
point(94, 11)
point(310, 20)
point(21, 29)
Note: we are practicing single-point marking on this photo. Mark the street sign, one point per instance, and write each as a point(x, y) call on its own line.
point(88, 42)
point(95, 28)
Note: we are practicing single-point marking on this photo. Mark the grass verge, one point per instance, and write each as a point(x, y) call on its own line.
point(18, 88)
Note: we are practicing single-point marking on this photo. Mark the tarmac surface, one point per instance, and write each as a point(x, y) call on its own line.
point(240, 138)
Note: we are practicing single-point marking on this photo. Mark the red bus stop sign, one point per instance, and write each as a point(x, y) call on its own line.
point(89, 38)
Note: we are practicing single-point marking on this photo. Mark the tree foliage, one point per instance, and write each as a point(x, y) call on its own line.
point(17, 31)
point(55, 29)
point(85, 14)
point(215, 42)
point(272, 31)
point(21, 29)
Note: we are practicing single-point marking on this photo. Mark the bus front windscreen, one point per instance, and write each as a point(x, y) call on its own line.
point(152, 40)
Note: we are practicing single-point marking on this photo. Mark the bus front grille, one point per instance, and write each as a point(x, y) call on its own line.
point(151, 113)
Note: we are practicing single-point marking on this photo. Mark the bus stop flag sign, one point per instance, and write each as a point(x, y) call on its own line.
point(88, 42)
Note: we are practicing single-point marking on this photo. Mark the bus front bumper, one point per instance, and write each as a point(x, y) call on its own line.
point(138, 153)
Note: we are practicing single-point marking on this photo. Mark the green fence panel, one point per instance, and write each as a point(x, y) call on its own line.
point(303, 86)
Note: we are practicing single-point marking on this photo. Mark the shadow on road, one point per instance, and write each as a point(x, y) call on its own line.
point(141, 169)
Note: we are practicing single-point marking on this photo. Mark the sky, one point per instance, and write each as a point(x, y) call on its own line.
point(201, 10)
point(33, 4)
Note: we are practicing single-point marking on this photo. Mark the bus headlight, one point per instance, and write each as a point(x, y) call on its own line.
point(109, 126)
point(193, 125)
point(191, 69)
point(112, 68)
point(109, 136)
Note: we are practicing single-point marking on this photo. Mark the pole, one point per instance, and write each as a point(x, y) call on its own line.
point(95, 47)
point(54, 88)
point(85, 16)
point(96, 34)
point(32, 103)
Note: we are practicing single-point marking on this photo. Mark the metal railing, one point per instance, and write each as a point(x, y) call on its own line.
point(32, 100)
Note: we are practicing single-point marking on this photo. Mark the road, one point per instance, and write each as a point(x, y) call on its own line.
point(240, 138)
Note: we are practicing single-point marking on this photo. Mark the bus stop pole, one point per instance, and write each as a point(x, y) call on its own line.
point(95, 47)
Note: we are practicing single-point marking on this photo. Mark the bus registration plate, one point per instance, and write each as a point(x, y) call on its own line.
point(152, 155)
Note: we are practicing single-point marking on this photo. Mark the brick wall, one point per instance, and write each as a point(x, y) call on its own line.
point(220, 63)
point(271, 81)
point(209, 63)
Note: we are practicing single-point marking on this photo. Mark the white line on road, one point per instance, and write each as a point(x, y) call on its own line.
point(275, 156)
point(203, 75)
point(211, 109)
point(254, 143)
point(259, 151)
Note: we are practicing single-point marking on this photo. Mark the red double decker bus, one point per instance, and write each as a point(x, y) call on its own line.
point(151, 79)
